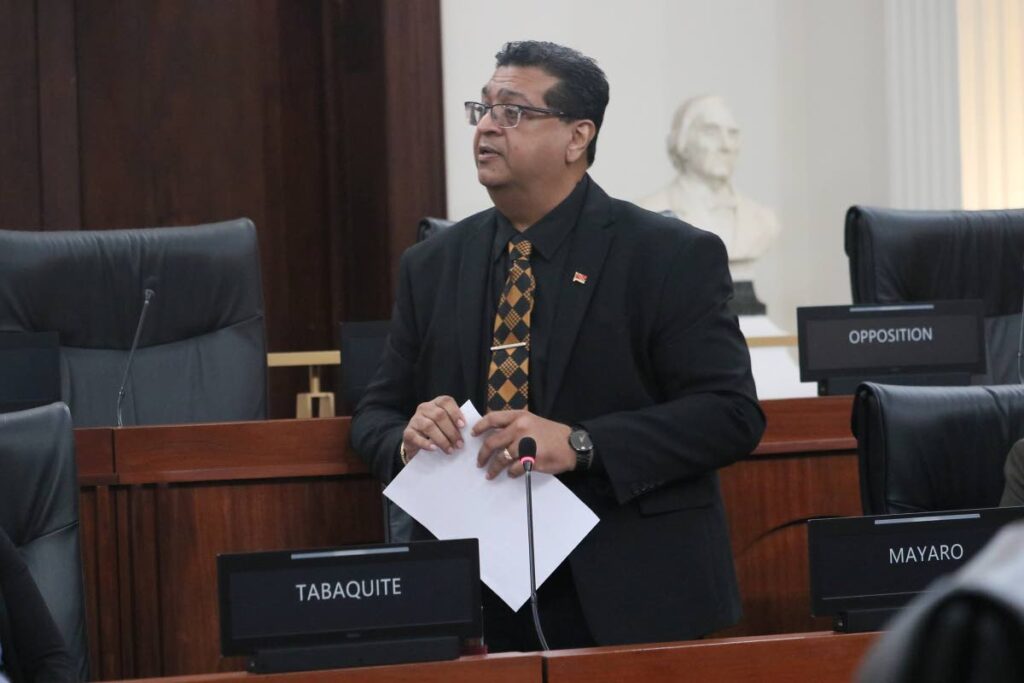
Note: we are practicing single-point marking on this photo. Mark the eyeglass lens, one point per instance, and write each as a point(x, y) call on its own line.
point(505, 115)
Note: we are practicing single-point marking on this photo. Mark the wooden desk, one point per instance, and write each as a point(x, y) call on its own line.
point(502, 668)
point(159, 503)
point(799, 657)
point(153, 524)
point(805, 466)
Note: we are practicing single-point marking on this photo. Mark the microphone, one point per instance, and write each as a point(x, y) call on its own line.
point(528, 456)
point(147, 296)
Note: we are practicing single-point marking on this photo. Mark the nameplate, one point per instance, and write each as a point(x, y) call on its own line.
point(879, 340)
point(303, 598)
point(881, 562)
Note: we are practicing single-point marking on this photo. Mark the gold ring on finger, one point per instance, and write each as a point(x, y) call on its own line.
point(505, 454)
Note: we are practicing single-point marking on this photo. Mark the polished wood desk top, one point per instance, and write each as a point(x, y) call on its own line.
point(513, 667)
point(822, 657)
point(316, 447)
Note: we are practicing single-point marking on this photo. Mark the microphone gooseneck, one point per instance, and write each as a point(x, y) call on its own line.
point(528, 456)
point(147, 296)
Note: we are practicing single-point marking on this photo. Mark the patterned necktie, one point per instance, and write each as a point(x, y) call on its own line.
point(508, 380)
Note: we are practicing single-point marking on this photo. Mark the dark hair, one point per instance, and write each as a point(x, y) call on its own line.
point(582, 89)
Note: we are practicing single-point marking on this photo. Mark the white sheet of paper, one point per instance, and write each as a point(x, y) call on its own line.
point(450, 496)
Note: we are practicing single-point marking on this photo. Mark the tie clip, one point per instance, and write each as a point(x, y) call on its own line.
point(508, 346)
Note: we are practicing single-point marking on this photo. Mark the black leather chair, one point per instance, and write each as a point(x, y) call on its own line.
point(428, 227)
point(934, 448)
point(39, 511)
point(202, 352)
point(901, 256)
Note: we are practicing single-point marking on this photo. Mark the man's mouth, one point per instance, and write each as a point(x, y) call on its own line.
point(486, 152)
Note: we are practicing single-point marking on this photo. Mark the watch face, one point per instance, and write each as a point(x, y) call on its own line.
point(580, 441)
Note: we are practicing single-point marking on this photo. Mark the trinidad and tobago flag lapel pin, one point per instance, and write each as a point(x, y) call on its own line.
point(579, 278)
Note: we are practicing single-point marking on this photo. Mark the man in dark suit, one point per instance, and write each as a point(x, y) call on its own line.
point(597, 328)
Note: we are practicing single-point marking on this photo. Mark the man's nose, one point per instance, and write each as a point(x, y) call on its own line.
point(487, 124)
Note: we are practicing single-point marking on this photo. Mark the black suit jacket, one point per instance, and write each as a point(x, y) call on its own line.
point(646, 356)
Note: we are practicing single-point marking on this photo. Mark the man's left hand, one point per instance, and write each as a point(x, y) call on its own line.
point(554, 455)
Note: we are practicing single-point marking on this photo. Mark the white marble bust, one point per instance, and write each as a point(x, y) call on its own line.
point(703, 146)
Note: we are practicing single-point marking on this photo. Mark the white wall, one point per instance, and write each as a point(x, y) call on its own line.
point(805, 78)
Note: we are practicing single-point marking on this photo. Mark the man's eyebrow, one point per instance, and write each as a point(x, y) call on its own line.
point(512, 94)
point(505, 93)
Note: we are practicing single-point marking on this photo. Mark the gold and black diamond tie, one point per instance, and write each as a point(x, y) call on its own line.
point(508, 380)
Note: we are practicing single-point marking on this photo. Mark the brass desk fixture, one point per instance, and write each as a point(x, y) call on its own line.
point(313, 360)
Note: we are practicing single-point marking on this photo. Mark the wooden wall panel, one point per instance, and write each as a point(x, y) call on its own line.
point(385, 156)
point(297, 115)
point(320, 121)
point(60, 203)
point(415, 120)
point(194, 112)
point(172, 112)
point(356, 163)
point(19, 117)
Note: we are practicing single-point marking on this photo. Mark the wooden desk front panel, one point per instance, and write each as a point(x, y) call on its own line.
point(176, 531)
point(768, 500)
point(797, 658)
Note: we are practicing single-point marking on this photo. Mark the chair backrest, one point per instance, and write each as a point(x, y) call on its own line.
point(39, 511)
point(899, 256)
point(362, 345)
point(934, 448)
point(202, 351)
point(428, 227)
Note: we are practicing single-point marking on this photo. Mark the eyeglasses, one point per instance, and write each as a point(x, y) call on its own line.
point(505, 115)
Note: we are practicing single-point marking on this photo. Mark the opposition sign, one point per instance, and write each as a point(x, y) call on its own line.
point(878, 340)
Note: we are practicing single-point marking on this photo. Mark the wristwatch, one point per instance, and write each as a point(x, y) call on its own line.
point(579, 441)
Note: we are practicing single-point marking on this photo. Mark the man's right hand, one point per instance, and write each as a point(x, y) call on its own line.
point(436, 424)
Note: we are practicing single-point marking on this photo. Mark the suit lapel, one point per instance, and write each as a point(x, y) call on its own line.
point(472, 285)
point(590, 243)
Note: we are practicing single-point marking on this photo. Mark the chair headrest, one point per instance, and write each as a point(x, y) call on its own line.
point(88, 285)
point(899, 256)
point(428, 227)
point(934, 448)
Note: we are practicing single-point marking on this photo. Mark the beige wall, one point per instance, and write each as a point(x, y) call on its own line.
point(805, 78)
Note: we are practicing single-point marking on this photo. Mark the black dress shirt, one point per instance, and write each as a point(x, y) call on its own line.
point(550, 237)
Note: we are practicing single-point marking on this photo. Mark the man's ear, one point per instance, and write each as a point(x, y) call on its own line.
point(583, 131)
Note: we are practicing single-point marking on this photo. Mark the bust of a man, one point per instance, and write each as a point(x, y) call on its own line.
point(703, 146)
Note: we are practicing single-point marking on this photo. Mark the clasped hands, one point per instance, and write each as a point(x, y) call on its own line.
point(437, 425)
